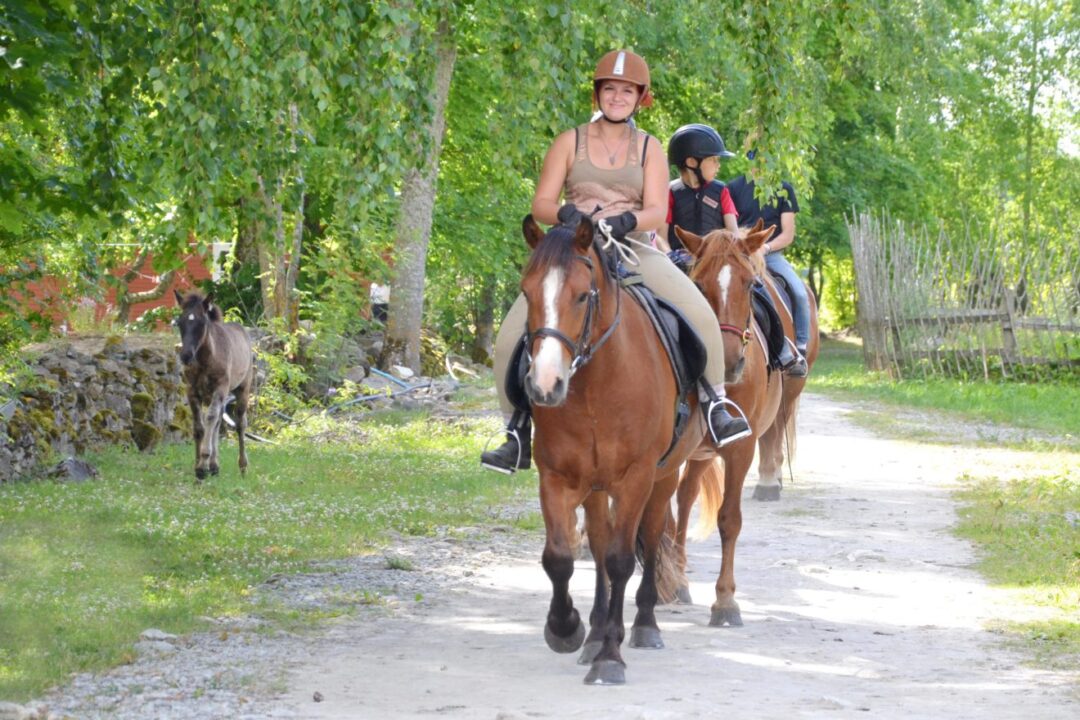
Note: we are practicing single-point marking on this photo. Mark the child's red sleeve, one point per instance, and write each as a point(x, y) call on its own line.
point(727, 207)
point(671, 204)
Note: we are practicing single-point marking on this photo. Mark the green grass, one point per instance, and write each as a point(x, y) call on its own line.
point(84, 568)
point(1047, 410)
point(1028, 532)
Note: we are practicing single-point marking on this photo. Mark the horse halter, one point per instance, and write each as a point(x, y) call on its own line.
point(745, 334)
point(582, 350)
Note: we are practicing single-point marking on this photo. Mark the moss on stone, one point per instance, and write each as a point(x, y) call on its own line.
point(145, 435)
point(181, 419)
point(142, 405)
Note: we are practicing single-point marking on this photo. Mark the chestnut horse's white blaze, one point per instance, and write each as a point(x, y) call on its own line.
point(549, 365)
point(723, 279)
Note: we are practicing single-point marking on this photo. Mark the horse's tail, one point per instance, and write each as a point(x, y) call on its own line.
point(670, 559)
point(670, 573)
point(790, 436)
point(712, 497)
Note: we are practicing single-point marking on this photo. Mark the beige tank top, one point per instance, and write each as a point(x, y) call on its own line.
point(615, 190)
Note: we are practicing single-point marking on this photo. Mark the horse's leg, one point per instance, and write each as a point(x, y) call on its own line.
point(686, 496)
point(217, 407)
point(725, 611)
point(598, 527)
point(242, 394)
point(770, 462)
point(563, 631)
point(608, 668)
point(645, 632)
point(198, 431)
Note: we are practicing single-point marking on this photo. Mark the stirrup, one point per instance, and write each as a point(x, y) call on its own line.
point(737, 436)
point(512, 432)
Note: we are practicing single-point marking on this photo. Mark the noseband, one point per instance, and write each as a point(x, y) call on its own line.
point(582, 350)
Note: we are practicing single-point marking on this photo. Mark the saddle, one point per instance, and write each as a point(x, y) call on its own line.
point(683, 346)
point(768, 321)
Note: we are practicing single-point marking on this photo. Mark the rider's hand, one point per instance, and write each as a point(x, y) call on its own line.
point(622, 224)
point(569, 214)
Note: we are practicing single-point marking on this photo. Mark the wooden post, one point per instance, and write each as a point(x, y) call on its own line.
point(1008, 328)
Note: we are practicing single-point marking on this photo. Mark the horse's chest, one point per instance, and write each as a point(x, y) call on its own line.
point(202, 384)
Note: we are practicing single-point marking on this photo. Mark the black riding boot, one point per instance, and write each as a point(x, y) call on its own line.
point(792, 361)
point(514, 454)
point(723, 426)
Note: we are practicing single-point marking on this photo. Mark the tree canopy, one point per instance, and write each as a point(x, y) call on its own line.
point(297, 126)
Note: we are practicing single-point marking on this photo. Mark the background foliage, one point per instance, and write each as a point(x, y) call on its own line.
point(290, 127)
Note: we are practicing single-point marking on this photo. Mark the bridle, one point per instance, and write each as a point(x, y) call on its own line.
point(745, 334)
point(581, 351)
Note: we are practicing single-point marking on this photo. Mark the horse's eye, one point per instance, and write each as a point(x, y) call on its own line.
point(583, 297)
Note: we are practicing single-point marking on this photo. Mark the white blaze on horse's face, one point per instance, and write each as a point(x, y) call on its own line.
point(723, 279)
point(549, 365)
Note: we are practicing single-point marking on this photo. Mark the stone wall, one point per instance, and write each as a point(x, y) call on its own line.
point(91, 391)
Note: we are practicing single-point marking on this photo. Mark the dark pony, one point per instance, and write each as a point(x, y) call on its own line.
point(603, 397)
point(217, 361)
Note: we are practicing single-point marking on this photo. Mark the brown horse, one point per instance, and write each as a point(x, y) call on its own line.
point(217, 361)
point(604, 397)
point(725, 269)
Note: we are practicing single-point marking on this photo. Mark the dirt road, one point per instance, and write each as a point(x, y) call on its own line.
point(856, 599)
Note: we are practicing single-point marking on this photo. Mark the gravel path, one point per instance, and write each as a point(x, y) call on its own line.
point(857, 601)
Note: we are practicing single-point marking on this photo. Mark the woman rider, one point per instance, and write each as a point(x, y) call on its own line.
point(610, 165)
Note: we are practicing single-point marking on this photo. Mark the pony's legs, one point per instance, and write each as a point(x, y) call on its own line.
point(725, 611)
point(598, 527)
point(217, 407)
point(198, 430)
point(608, 668)
point(242, 394)
point(563, 631)
point(686, 496)
point(645, 632)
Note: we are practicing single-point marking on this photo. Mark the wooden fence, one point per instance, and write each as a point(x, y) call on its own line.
point(930, 305)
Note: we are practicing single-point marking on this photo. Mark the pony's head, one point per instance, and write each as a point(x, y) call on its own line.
point(559, 284)
point(725, 268)
point(196, 314)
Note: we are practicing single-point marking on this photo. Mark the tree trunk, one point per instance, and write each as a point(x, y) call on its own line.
point(125, 298)
point(413, 229)
point(483, 345)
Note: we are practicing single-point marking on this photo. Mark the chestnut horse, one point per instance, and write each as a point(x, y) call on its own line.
point(725, 269)
point(217, 361)
point(603, 395)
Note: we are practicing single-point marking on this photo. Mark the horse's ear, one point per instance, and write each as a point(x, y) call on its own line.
point(694, 243)
point(179, 297)
point(758, 226)
point(583, 236)
point(757, 237)
point(533, 233)
point(208, 302)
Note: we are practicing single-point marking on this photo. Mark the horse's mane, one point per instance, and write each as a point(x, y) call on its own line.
point(721, 247)
point(194, 299)
point(557, 249)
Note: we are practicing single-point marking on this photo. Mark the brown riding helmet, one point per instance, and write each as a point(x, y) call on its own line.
point(623, 65)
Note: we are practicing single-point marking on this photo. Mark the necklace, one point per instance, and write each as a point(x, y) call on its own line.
point(612, 154)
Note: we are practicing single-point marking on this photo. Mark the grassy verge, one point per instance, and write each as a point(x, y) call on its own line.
point(84, 568)
point(1027, 531)
point(1029, 535)
point(1041, 415)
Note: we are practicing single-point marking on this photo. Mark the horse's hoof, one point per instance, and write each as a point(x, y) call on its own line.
point(200, 473)
point(726, 616)
point(646, 637)
point(767, 493)
point(214, 470)
point(606, 672)
point(682, 596)
point(564, 644)
point(589, 652)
